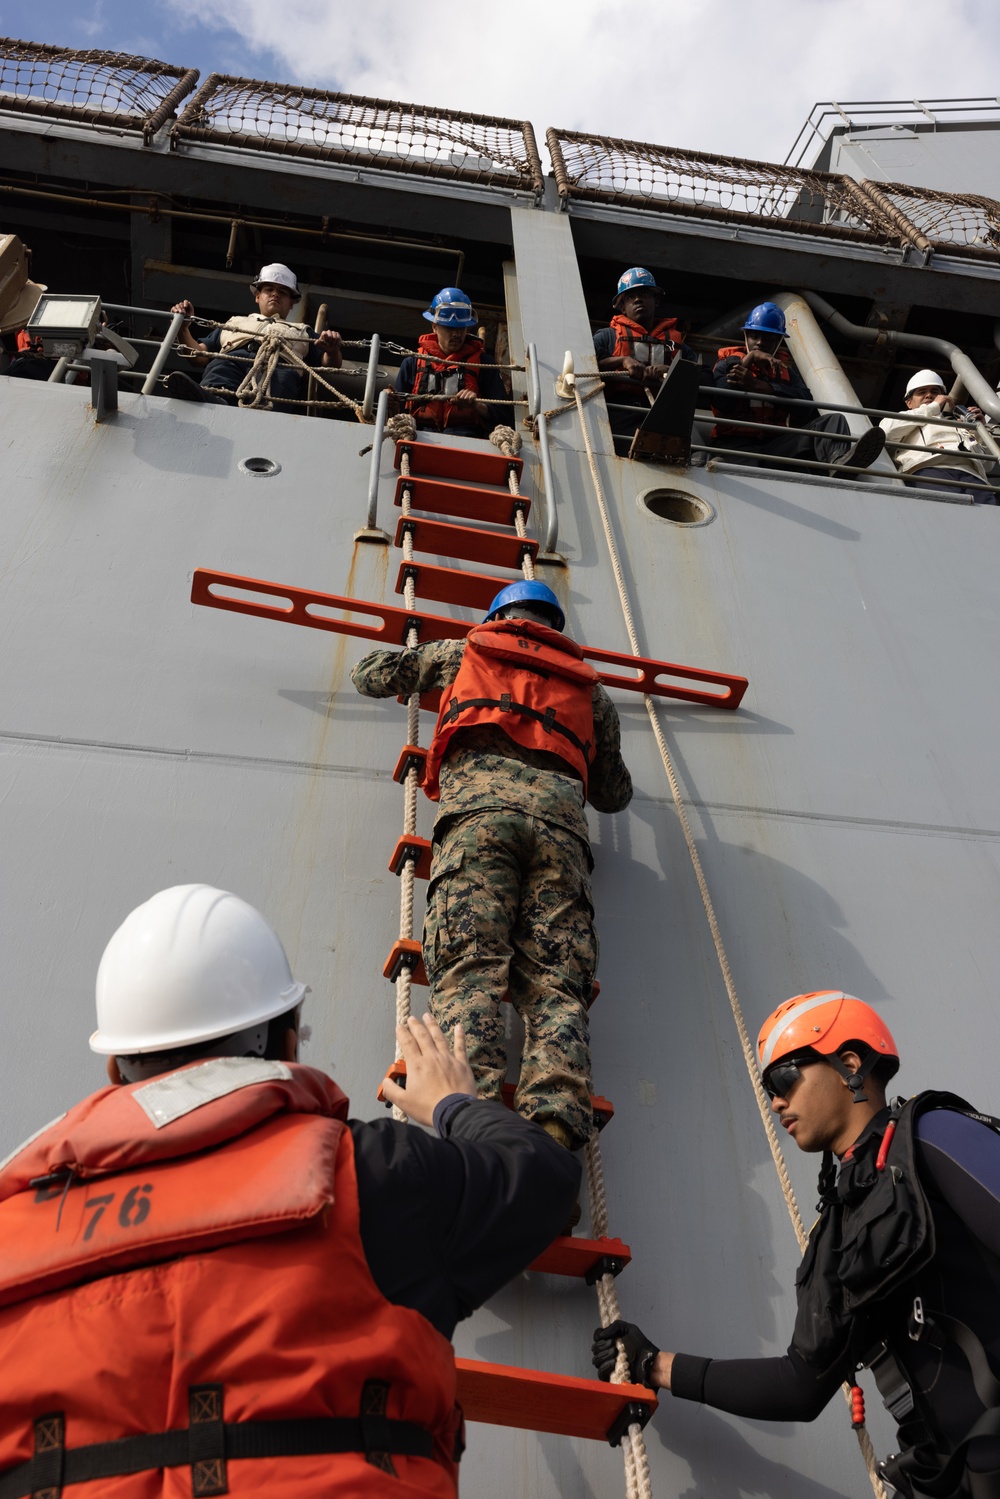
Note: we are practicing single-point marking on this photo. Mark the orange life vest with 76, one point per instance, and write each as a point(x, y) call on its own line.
point(436, 374)
point(527, 680)
point(185, 1305)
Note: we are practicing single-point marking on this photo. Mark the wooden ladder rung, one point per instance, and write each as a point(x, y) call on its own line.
point(445, 462)
point(470, 543)
point(502, 1395)
point(450, 585)
point(495, 506)
point(586, 1258)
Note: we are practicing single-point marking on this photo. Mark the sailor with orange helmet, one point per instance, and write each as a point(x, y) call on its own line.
point(207, 1270)
point(901, 1273)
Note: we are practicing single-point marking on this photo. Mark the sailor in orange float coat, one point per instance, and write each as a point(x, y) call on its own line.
point(211, 1280)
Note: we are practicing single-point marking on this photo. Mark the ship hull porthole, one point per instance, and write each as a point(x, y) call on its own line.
point(678, 506)
point(259, 468)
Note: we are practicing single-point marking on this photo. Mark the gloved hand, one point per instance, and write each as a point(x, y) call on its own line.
point(639, 1351)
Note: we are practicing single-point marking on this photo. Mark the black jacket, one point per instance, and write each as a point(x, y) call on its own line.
point(869, 1258)
point(446, 1222)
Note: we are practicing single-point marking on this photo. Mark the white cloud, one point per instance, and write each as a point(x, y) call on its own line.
point(736, 77)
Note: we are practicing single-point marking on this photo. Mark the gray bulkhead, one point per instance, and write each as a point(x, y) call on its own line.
point(848, 818)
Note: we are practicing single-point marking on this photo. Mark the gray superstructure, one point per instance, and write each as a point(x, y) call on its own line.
point(847, 816)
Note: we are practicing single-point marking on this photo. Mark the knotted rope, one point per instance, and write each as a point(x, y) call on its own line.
point(509, 443)
point(404, 979)
point(746, 1045)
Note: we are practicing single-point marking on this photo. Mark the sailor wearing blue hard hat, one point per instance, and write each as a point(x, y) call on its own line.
point(528, 600)
point(639, 347)
point(763, 369)
point(526, 735)
point(445, 387)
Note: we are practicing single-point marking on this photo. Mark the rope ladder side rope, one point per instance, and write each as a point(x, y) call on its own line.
point(749, 1057)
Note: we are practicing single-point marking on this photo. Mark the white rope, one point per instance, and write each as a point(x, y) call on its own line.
point(746, 1045)
point(637, 1479)
point(509, 443)
point(404, 981)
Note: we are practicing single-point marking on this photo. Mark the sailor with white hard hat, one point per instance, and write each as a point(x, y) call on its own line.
point(276, 291)
point(940, 453)
point(207, 1266)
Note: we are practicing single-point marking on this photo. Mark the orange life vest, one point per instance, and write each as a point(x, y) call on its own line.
point(527, 680)
point(184, 1298)
point(436, 375)
point(633, 341)
point(760, 409)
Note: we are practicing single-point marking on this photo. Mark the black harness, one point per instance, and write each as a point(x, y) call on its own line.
point(874, 1236)
point(505, 703)
point(208, 1442)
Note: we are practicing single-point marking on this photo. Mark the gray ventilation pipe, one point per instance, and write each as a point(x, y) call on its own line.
point(821, 369)
point(975, 383)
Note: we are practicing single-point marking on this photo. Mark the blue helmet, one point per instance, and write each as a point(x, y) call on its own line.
point(767, 318)
point(638, 276)
point(528, 593)
point(452, 308)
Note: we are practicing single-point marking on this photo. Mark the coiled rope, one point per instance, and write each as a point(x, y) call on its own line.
point(763, 1105)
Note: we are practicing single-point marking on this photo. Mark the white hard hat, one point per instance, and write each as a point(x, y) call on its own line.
point(190, 965)
point(922, 378)
point(276, 275)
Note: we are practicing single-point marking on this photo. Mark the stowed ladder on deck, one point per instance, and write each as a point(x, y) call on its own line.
point(479, 493)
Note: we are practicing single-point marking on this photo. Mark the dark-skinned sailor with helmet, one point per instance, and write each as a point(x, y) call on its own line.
point(901, 1272)
point(525, 737)
point(760, 368)
point(448, 384)
point(639, 346)
point(212, 1280)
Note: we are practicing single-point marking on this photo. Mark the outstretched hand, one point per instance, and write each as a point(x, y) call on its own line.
point(433, 1071)
point(642, 1355)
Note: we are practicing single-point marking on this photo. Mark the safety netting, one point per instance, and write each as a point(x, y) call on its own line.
point(356, 131)
point(130, 93)
point(954, 223)
point(635, 174)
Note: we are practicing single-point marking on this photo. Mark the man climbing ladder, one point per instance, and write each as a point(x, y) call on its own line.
point(525, 736)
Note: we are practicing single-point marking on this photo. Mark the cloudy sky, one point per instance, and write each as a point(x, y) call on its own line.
point(732, 76)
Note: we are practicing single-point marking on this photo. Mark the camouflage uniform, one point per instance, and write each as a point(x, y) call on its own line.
point(509, 904)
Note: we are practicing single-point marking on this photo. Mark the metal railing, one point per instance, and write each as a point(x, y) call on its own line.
point(357, 131)
point(989, 457)
point(858, 115)
point(737, 190)
point(100, 88)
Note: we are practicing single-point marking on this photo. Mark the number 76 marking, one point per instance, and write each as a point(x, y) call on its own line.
point(133, 1211)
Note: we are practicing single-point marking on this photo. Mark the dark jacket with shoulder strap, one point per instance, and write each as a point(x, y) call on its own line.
point(877, 1286)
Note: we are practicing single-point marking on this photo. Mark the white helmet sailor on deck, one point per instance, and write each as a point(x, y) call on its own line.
point(193, 971)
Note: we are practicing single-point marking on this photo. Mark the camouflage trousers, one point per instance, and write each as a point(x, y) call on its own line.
point(509, 911)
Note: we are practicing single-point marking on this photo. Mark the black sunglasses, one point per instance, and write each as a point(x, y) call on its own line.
point(780, 1077)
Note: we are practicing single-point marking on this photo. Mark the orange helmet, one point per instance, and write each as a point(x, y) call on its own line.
point(823, 1022)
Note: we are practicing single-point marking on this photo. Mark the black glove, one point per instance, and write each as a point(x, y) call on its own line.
point(639, 1351)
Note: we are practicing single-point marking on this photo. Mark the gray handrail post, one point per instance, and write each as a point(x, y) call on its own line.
point(368, 405)
point(163, 353)
point(534, 382)
point(381, 415)
point(551, 518)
